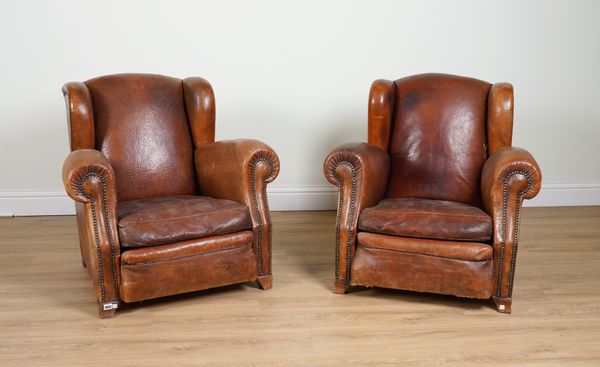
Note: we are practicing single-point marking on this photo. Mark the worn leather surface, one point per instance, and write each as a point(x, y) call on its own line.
point(177, 275)
point(80, 115)
point(171, 219)
point(141, 127)
point(360, 171)
point(441, 132)
point(200, 107)
point(469, 251)
point(240, 170)
point(438, 139)
point(134, 138)
point(381, 111)
point(509, 176)
point(422, 273)
point(423, 218)
point(90, 180)
point(500, 117)
point(188, 248)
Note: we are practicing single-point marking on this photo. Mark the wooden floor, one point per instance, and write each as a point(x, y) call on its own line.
point(48, 310)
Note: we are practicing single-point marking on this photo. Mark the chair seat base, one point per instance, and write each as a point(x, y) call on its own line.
point(421, 273)
point(187, 274)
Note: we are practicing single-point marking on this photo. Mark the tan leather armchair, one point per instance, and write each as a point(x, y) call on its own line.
point(432, 202)
point(161, 207)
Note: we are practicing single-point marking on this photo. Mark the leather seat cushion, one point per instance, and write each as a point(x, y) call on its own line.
point(170, 219)
point(469, 251)
point(423, 218)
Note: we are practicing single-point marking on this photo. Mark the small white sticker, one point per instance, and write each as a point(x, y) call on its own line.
point(110, 306)
point(502, 307)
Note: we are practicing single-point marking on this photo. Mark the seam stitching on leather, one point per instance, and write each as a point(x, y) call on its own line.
point(265, 203)
point(515, 244)
point(102, 179)
point(339, 219)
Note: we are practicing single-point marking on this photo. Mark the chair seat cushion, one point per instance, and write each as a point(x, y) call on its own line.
point(422, 218)
point(468, 251)
point(170, 219)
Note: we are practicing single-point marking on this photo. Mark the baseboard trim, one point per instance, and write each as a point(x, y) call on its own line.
point(29, 203)
point(282, 198)
point(567, 195)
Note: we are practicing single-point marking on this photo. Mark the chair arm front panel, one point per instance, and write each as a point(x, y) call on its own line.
point(89, 179)
point(360, 171)
point(240, 170)
point(509, 176)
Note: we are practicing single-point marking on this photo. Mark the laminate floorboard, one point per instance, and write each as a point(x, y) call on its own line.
point(48, 314)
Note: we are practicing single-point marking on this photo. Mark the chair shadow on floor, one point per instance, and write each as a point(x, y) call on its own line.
point(125, 308)
point(416, 298)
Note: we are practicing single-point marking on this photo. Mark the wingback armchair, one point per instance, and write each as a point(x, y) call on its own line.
point(161, 207)
point(432, 202)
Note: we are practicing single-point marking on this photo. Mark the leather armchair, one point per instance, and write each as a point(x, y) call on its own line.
point(161, 207)
point(432, 202)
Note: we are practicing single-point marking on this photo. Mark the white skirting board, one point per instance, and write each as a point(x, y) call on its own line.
point(28, 203)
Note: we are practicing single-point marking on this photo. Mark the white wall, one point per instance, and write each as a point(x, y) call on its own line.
point(297, 74)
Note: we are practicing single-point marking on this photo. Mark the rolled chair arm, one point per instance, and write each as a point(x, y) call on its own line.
point(89, 179)
point(85, 173)
point(240, 170)
point(509, 176)
point(360, 171)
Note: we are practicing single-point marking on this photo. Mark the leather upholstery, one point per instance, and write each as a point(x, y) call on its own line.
point(469, 251)
point(422, 273)
point(438, 141)
point(381, 110)
point(360, 172)
point(189, 248)
point(181, 274)
point(200, 107)
point(422, 218)
point(240, 170)
point(410, 202)
point(90, 180)
point(509, 176)
point(500, 117)
point(171, 219)
point(140, 143)
point(147, 139)
point(80, 115)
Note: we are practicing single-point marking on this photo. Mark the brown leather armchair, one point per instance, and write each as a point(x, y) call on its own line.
point(432, 202)
point(161, 207)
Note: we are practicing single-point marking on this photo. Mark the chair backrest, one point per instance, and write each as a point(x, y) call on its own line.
point(140, 123)
point(434, 127)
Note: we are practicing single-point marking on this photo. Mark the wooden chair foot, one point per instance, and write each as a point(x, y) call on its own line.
point(106, 313)
point(265, 281)
point(340, 287)
point(83, 262)
point(503, 304)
